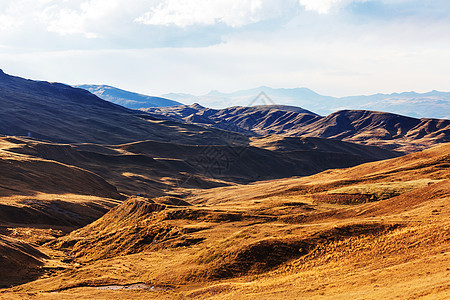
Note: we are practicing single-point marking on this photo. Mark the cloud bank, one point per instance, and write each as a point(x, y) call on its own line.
point(102, 18)
point(336, 47)
point(233, 13)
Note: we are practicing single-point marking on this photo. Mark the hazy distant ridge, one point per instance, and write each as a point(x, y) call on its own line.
point(432, 104)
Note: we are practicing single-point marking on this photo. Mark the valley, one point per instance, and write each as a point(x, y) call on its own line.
point(272, 239)
point(185, 202)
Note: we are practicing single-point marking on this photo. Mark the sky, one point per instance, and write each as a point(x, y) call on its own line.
point(334, 47)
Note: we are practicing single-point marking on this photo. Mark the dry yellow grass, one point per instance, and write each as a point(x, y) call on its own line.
point(384, 190)
point(267, 240)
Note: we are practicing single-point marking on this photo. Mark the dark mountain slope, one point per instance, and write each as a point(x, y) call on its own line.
point(283, 143)
point(360, 123)
point(262, 119)
point(379, 128)
point(366, 127)
point(57, 112)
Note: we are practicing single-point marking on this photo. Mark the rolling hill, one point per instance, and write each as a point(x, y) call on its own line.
point(19, 261)
point(387, 130)
point(274, 239)
point(246, 120)
point(154, 168)
point(39, 192)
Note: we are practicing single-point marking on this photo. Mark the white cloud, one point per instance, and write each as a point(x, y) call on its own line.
point(7, 22)
point(12, 13)
point(66, 21)
point(60, 16)
point(234, 13)
point(325, 6)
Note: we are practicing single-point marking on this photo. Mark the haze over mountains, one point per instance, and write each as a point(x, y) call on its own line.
point(433, 104)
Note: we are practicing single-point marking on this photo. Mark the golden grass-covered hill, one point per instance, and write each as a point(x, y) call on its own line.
point(377, 230)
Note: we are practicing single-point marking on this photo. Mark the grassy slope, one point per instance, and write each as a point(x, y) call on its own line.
point(152, 168)
point(270, 240)
point(40, 200)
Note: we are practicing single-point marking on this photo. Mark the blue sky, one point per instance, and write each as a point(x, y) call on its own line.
point(335, 47)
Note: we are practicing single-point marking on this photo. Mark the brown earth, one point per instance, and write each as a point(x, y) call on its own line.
point(19, 261)
point(21, 174)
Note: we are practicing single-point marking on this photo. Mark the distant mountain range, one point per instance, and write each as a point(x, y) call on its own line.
point(433, 104)
point(126, 98)
point(60, 113)
point(388, 130)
